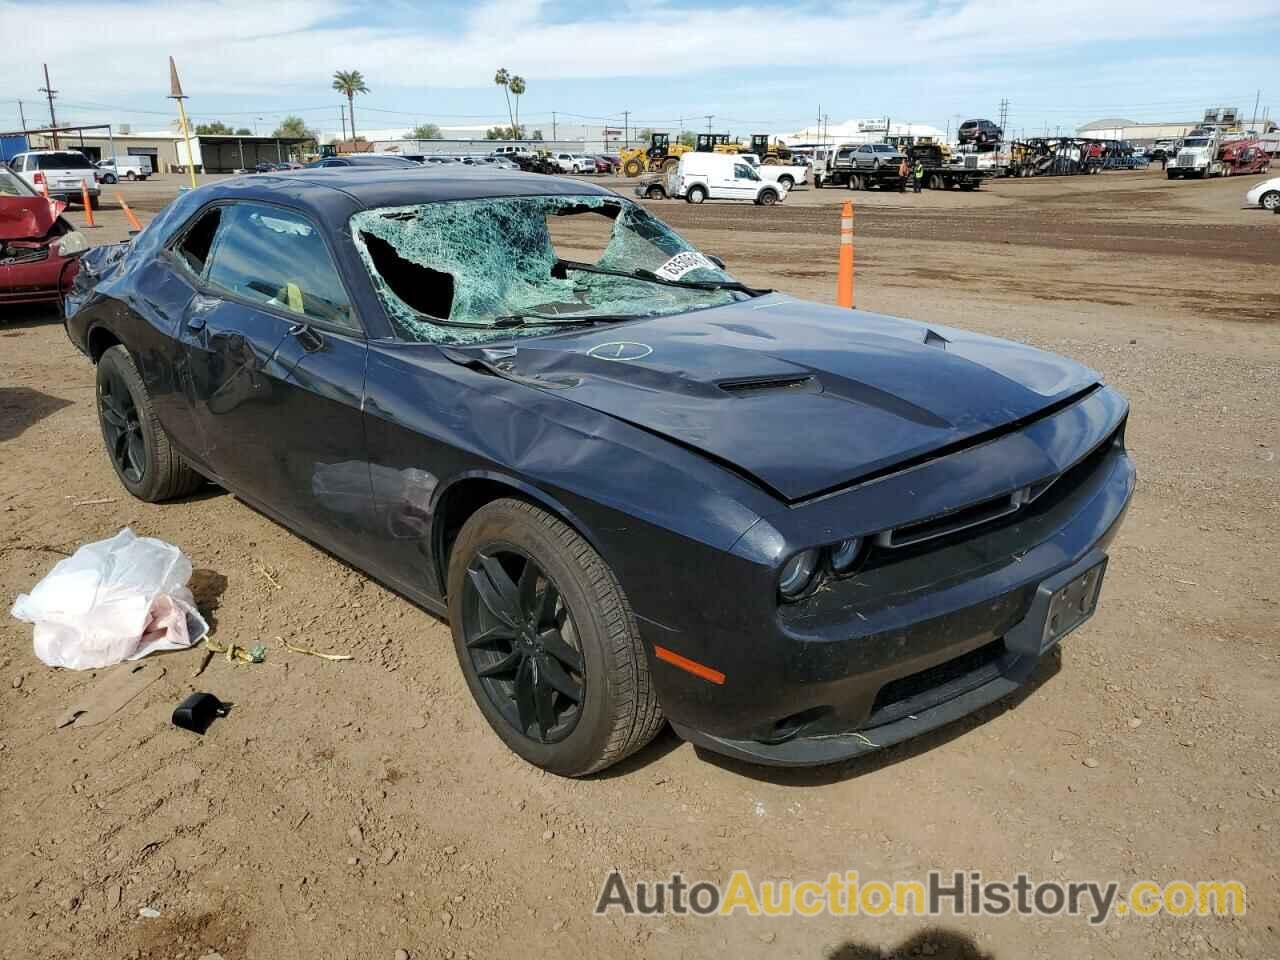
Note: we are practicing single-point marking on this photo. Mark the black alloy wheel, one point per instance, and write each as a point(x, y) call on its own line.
point(547, 641)
point(523, 644)
point(137, 445)
point(121, 427)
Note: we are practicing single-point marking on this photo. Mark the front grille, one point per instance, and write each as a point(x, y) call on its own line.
point(17, 255)
point(918, 692)
point(987, 512)
point(971, 163)
point(1186, 160)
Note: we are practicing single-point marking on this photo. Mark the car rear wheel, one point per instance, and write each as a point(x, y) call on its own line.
point(130, 175)
point(1270, 200)
point(138, 447)
point(654, 193)
point(547, 641)
point(786, 181)
point(696, 194)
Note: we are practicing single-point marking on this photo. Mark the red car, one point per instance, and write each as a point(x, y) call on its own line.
point(39, 251)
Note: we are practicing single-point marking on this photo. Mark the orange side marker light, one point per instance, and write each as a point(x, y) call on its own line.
point(692, 666)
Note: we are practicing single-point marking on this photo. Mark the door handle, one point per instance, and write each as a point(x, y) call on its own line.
point(311, 340)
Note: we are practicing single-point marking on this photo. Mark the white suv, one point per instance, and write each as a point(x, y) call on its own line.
point(572, 162)
point(60, 172)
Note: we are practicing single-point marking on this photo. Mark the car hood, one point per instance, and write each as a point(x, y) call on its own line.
point(802, 397)
point(28, 218)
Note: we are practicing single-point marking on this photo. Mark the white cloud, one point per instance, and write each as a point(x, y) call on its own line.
point(102, 49)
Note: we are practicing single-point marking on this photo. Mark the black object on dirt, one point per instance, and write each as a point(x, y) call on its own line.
point(198, 711)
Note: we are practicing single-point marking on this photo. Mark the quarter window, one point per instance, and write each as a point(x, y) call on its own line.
point(277, 258)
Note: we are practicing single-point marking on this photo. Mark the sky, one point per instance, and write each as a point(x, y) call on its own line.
point(754, 65)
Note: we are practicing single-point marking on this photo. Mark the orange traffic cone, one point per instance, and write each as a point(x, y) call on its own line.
point(133, 221)
point(844, 282)
point(88, 207)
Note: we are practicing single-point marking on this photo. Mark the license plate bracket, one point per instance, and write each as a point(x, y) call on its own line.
point(1072, 604)
point(1061, 605)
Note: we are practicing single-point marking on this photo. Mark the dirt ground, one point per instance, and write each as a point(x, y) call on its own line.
point(350, 810)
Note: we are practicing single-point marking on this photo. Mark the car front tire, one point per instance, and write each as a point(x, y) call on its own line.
point(1270, 200)
point(547, 641)
point(767, 198)
point(137, 445)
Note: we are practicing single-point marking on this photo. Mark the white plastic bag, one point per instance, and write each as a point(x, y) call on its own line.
point(113, 600)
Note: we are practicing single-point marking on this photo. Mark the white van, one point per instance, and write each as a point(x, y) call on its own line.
point(721, 176)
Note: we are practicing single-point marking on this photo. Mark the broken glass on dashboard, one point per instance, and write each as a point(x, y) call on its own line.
point(467, 271)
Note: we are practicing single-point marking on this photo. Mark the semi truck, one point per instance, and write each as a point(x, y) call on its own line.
point(1210, 153)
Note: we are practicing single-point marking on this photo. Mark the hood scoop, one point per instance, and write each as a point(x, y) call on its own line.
point(753, 386)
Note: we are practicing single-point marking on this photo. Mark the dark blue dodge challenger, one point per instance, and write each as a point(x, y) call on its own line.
point(638, 488)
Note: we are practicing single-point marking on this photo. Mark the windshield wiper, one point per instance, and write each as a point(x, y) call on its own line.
point(561, 268)
point(539, 320)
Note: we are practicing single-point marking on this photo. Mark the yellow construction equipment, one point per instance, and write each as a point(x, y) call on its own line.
point(660, 155)
point(777, 152)
point(717, 143)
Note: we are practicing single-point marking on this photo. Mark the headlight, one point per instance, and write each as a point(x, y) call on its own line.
point(71, 243)
point(845, 554)
point(797, 573)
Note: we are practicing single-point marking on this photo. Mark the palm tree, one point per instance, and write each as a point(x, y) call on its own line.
point(503, 79)
point(349, 83)
point(517, 87)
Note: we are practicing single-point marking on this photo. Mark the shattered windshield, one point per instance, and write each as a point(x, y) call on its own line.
point(467, 271)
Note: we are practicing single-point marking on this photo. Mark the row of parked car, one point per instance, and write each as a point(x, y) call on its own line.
point(66, 174)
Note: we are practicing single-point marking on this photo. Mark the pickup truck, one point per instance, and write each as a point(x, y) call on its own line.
point(124, 168)
point(784, 174)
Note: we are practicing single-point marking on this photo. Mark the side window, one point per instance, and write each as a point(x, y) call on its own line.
point(193, 251)
point(277, 258)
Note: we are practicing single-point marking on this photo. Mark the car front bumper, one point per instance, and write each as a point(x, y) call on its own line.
point(900, 669)
point(42, 281)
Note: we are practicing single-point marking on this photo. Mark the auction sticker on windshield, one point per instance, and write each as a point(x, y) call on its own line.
point(682, 263)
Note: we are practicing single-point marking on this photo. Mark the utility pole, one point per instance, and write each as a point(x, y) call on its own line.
point(1004, 114)
point(342, 107)
point(1256, 98)
point(49, 92)
point(22, 117)
point(553, 125)
point(176, 94)
point(626, 127)
point(709, 116)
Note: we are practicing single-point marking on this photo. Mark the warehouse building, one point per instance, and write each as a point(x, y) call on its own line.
point(1143, 134)
point(159, 147)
